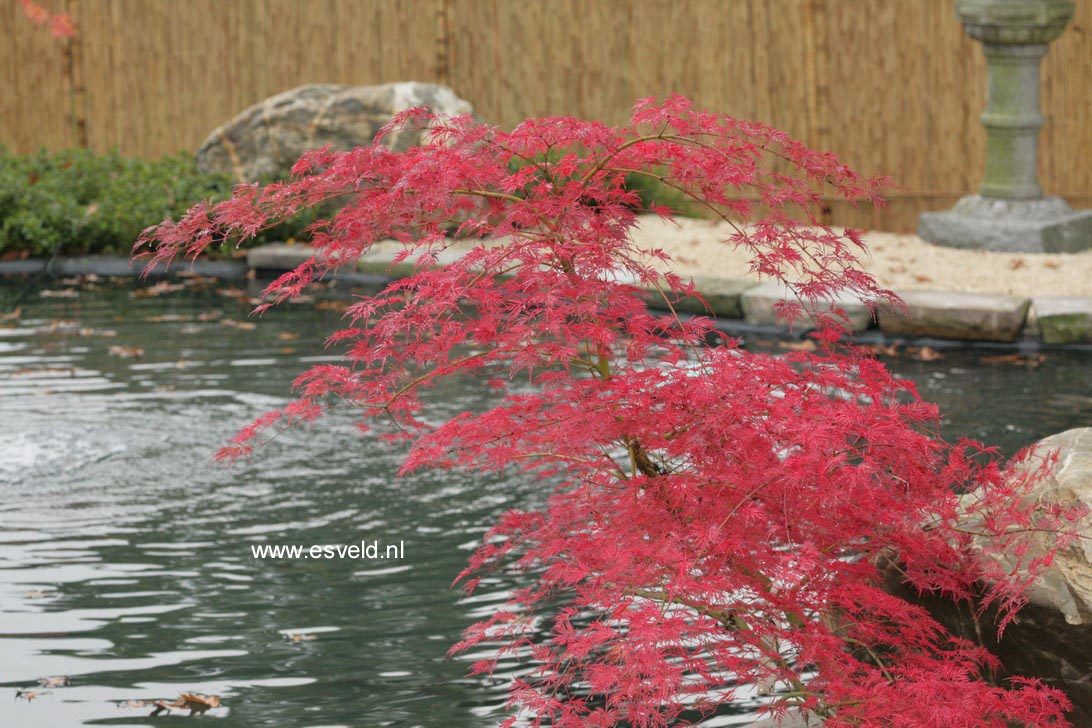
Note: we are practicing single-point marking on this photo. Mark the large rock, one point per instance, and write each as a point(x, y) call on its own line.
point(793, 720)
point(760, 307)
point(720, 297)
point(265, 140)
point(1064, 319)
point(1051, 637)
point(1067, 585)
point(954, 315)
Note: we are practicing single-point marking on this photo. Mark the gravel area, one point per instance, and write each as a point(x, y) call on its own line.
point(899, 262)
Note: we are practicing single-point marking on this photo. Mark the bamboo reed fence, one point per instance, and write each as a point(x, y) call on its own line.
point(891, 86)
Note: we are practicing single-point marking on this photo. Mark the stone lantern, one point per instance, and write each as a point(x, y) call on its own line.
point(1010, 212)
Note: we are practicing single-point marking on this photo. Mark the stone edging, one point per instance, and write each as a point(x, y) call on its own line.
point(1050, 320)
point(113, 265)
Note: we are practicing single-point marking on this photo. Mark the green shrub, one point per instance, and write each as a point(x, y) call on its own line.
point(74, 202)
point(652, 191)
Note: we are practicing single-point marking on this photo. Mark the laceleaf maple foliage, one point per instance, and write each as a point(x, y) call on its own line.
point(60, 24)
point(716, 517)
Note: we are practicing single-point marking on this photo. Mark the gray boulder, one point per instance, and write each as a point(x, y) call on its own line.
point(955, 315)
point(1051, 637)
point(1066, 587)
point(793, 720)
point(266, 139)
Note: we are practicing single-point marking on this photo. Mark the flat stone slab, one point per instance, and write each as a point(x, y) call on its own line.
point(380, 262)
point(1064, 319)
point(112, 265)
point(793, 720)
point(723, 297)
point(1046, 225)
point(31, 266)
point(759, 306)
point(121, 266)
point(952, 315)
point(278, 256)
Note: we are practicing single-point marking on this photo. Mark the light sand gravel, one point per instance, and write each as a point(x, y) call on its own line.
point(899, 262)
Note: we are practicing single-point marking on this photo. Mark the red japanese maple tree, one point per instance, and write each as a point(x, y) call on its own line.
point(716, 518)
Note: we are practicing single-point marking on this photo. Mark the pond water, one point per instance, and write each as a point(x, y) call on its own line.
point(125, 554)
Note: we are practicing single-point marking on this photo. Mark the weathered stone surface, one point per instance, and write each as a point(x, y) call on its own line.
point(113, 265)
point(759, 306)
point(1067, 585)
point(1045, 225)
point(1025, 22)
point(951, 315)
point(1064, 319)
point(1051, 638)
point(795, 720)
point(378, 262)
point(722, 297)
point(278, 256)
point(23, 267)
point(266, 139)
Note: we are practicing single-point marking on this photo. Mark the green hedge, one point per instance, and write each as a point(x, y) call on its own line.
point(75, 202)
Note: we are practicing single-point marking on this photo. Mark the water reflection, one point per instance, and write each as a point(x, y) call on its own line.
point(125, 555)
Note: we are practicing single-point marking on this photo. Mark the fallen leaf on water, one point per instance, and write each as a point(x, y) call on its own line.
point(159, 289)
point(35, 371)
point(241, 325)
point(287, 336)
point(12, 315)
point(1023, 360)
point(58, 681)
point(194, 702)
point(300, 637)
point(126, 352)
point(61, 326)
point(331, 305)
point(199, 703)
point(29, 695)
point(1017, 263)
point(1051, 264)
point(162, 706)
point(805, 345)
point(288, 350)
point(63, 293)
point(210, 316)
point(923, 279)
point(880, 349)
point(925, 353)
point(231, 292)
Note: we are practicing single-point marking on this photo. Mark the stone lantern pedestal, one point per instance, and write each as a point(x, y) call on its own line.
point(1010, 212)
